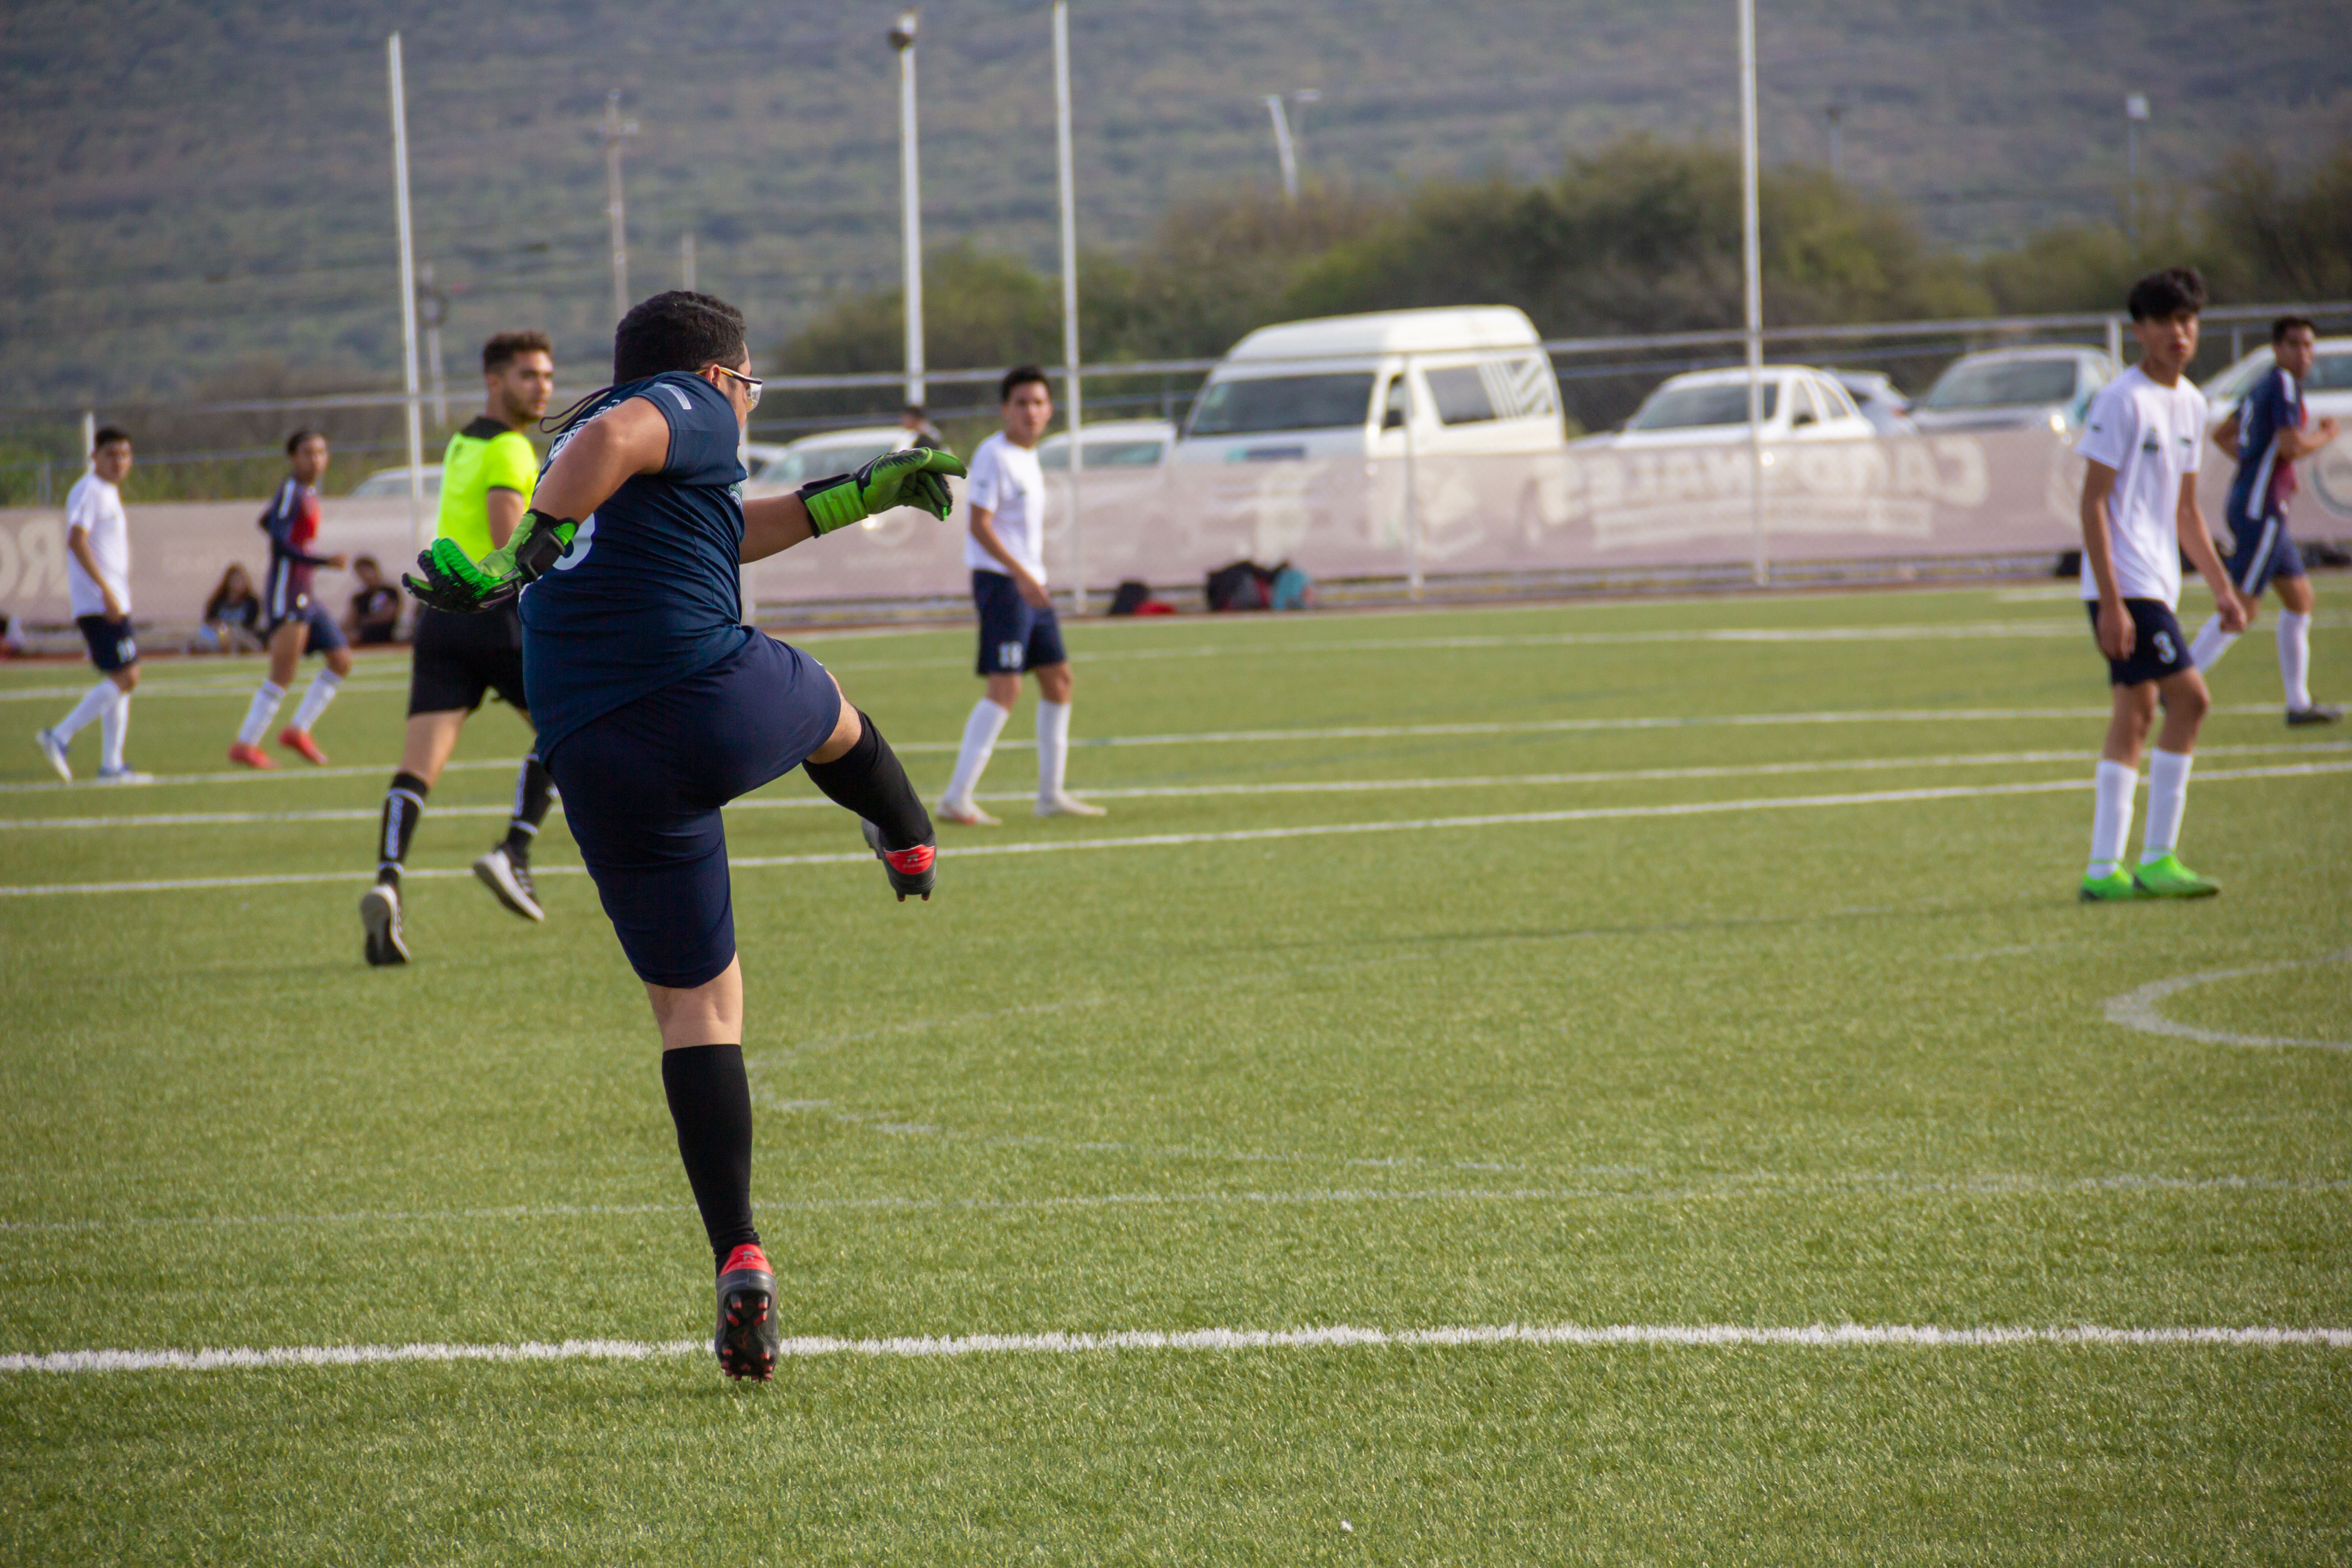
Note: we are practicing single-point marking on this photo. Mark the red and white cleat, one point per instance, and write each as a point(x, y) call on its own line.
point(747, 1340)
point(251, 757)
point(298, 741)
point(910, 869)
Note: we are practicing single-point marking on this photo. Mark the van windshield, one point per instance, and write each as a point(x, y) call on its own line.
point(1283, 402)
point(1999, 383)
point(1688, 408)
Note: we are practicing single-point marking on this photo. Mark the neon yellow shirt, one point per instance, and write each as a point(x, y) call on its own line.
point(483, 457)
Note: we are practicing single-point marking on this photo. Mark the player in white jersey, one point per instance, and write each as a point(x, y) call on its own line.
point(2141, 438)
point(98, 579)
point(1018, 629)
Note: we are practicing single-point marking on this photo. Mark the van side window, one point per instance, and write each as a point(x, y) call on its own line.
point(1521, 387)
point(1460, 393)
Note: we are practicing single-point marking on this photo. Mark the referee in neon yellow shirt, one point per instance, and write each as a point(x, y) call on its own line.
point(487, 478)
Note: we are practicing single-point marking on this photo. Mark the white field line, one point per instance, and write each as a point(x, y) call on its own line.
point(1661, 1336)
point(2136, 1009)
point(153, 688)
point(1763, 1186)
point(1253, 737)
point(244, 775)
point(1193, 791)
point(1244, 835)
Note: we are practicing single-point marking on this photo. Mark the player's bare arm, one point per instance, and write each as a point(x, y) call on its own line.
point(2116, 635)
point(2189, 519)
point(2225, 436)
point(502, 509)
point(983, 532)
point(2303, 443)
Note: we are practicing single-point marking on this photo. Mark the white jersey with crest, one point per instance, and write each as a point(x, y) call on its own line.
point(2149, 435)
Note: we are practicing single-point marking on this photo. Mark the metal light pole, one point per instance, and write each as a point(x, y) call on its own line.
point(1070, 306)
point(418, 530)
point(617, 131)
point(911, 213)
point(433, 308)
point(1835, 113)
point(686, 261)
point(2135, 112)
point(1752, 264)
point(1283, 149)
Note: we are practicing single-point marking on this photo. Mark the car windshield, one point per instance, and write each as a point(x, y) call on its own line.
point(2002, 384)
point(1687, 407)
point(1283, 402)
point(2329, 372)
point(798, 464)
point(1104, 455)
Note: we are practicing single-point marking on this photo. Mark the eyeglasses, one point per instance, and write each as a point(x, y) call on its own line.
point(752, 385)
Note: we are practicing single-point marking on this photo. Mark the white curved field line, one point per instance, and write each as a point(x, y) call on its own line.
point(1203, 792)
point(1242, 836)
point(1254, 737)
point(2136, 1009)
point(1554, 1336)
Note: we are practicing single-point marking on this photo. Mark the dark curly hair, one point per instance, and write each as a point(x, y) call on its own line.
point(2160, 296)
point(676, 331)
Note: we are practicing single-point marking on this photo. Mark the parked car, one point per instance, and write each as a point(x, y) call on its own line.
point(818, 457)
point(2328, 390)
point(1881, 401)
point(392, 484)
point(1470, 378)
point(1121, 443)
point(2015, 389)
point(1698, 406)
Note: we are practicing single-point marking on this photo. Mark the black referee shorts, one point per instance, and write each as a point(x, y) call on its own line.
point(459, 657)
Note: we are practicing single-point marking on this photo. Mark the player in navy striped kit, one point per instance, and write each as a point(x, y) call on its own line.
point(2264, 436)
point(293, 623)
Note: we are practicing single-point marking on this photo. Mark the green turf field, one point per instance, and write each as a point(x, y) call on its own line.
point(1637, 1012)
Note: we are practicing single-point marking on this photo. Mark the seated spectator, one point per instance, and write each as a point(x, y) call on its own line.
point(375, 609)
point(232, 617)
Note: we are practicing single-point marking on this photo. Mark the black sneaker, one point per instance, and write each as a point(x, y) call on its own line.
point(910, 869)
point(509, 876)
point(747, 1340)
point(380, 913)
point(2317, 714)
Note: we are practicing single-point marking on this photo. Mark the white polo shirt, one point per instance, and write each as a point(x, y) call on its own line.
point(1006, 480)
point(2150, 435)
point(95, 507)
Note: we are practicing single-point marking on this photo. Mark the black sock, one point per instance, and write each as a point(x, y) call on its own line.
point(532, 791)
point(711, 1101)
point(868, 780)
point(403, 804)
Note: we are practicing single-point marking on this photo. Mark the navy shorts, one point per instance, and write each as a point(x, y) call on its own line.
point(325, 636)
point(1014, 636)
point(642, 788)
point(2263, 551)
point(2158, 647)
point(111, 643)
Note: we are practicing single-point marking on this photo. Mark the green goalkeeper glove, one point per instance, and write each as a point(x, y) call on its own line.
point(454, 582)
point(916, 476)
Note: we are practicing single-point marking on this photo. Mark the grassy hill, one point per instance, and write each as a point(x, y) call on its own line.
point(195, 187)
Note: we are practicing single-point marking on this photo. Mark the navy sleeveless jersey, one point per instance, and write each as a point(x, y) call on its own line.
point(647, 594)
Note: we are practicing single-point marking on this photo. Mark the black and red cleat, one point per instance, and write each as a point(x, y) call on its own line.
point(910, 868)
point(747, 1340)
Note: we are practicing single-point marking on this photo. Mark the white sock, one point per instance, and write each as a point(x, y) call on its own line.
point(93, 705)
point(323, 686)
point(2111, 818)
point(2168, 794)
point(979, 732)
point(1053, 748)
point(112, 729)
point(2294, 659)
point(2211, 642)
point(258, 717)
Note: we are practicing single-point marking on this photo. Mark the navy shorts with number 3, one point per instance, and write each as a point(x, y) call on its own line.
point(1014, 635)
point(2158, 647)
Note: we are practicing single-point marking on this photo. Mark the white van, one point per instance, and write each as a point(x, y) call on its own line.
point(1471, 378)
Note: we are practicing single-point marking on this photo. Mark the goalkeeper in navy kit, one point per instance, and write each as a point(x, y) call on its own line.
point(656, 706)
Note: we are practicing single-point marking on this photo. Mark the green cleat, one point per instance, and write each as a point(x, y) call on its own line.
point(2166, 877)
point(2114, 886)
